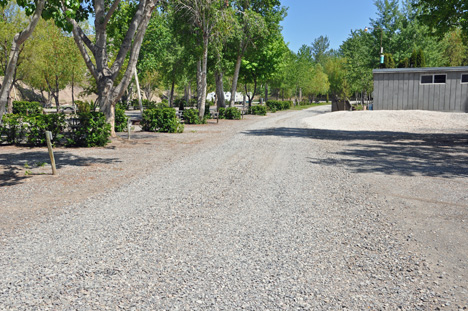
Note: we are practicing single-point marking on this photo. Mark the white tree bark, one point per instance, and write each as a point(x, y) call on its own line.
point(108, 94)
point(18, 40)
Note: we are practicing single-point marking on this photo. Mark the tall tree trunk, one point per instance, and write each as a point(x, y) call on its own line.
point(221, 101)
point(171, 96)
point(186, 94)
point(235, 79)
point(203, 64)
point(199, 82)
point(253, 94)
point(73, 89)
point(300, 95)
point(18, 40)
point(10, 100)
point(266, 91)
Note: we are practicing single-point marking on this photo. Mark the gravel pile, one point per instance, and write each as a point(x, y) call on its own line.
point(397, 121)
point(253, 223)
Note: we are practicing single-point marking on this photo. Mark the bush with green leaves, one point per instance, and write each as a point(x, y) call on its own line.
point(17, 129)
point(12, 130)
point(275, 105)
point(37, 125)
point(121, 120)
point(221, 113)
point(258, 110)
point(232, 113)
point(161, 120)
point(85, 106)
point(91, 130)
point(26, 108)
point(191, 116)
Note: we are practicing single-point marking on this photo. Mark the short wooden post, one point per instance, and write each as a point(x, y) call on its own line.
point(128, 129)
point(51, 152)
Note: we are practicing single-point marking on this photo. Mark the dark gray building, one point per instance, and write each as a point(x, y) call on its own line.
point(437, 89)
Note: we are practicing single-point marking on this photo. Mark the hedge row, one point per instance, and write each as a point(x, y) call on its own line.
point(275, 105)
point(26, 108)
point(230, 113)
point(161, 120)
point(87, 130)
point(258, 110)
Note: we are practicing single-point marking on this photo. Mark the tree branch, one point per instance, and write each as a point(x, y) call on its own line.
point(81, 39)
point(135, 51)
point(143, 8)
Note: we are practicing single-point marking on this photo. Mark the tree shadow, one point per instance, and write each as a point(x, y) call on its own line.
point(391, 153)
point(12, 162)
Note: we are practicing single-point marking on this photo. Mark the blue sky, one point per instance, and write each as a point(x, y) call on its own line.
point(309, 19)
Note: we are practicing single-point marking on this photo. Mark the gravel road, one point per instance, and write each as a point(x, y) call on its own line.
point(256, 222)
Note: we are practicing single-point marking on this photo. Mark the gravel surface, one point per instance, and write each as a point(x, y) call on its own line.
point(274, 216)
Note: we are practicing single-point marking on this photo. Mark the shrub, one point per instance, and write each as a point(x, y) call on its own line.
point(36, 127)
point(26, 108)
point(85, 106)
point(232, 113)
point(121, 120)
point(221, 113)
point(17, 128)
point(275, 105)
point(191, 116)
point(161, 120)
point(258, 110)
point(92, 130)
point(12, 129)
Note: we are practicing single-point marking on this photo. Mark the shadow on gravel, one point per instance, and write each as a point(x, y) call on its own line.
point(12, 161)
point(392, 153)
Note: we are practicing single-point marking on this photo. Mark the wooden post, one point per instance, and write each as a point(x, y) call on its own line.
point(51, 152)
point(128, 128)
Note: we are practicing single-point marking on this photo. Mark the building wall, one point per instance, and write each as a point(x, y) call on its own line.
point(402, 90)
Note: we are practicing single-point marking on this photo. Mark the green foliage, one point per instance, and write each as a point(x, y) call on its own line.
point(31, 129)
point(26, 108)
point(12, 130)
point(258, 110)
point(232, 113)
point(417, 59)
point(207, 110)
point(405, 63)
point(85, 106)
point(121, 120)
point(275, 105)
point(443, 16)
point(191, 116)
point(161, 120)
point(221, 113)
point(38, 125)
point(91, 130)
point(389, 62)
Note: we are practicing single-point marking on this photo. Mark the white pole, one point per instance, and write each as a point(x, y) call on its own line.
point(138, 91)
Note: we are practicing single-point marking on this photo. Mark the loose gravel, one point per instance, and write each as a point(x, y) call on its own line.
point(255, 222)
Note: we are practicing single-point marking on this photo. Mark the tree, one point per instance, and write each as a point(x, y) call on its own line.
point(359, 61)
point(320, 48)
point(455, 51)
point(443, 16)
point(261, 63)
point(106, 67)
point(55, 62)
point(202, 17)
point(33, 9)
